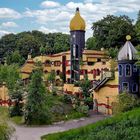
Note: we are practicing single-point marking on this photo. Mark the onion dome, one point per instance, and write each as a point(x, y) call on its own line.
point(128, 51)
point(77, 22)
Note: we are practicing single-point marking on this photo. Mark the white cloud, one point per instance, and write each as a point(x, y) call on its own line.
point(3, 32)
point(55, 17)
point(9, 13)
point(9, 24)
point(50, 4)
point(47, 30)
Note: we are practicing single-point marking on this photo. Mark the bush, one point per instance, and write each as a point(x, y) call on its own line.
point(125, 102)
point(83, 109)
point(67, 98)
point(5, 130)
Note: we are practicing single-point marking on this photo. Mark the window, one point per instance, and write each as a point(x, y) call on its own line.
point(57, 63)
point(98, 59)
point(135, 87)
point(120, 70)
point(125, 86)
point(48, 63)
point(134, 68)
point(90, 63)
point(128, 70)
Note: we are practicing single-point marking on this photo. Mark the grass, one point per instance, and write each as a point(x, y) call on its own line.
point(17, 120)
point(125, 126)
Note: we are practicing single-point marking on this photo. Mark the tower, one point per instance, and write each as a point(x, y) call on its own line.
point(77, 31)
point(128, 71)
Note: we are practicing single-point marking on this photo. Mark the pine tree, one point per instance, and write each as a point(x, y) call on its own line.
point(36, 110)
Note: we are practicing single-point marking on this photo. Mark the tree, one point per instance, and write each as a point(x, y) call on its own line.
point(9, 75)
point(36, 110)
point(16, 95)
point(91, 43)
point(85, 86)
point(137, 27)
point(15, 58)
point(112, 30)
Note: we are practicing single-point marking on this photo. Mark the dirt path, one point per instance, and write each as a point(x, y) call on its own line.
point(34, 133)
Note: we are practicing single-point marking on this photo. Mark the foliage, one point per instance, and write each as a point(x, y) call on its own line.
point(125, 102)
point(85, 86)
point(32, 42)
point(83, 109)
point(112, 30)
point(137, 28)
point(51, 77)
point(5, 130)
point(36, 109)
point(9, 75)
point(125, 126)
point(14, 58)
point(113, 52)
point(91, 43)
point(16, 95)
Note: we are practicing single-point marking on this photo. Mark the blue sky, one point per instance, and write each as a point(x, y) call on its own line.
point(54, 15)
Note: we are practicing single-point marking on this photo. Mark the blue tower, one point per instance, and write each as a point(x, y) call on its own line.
point(77, 31)
point(128, 71)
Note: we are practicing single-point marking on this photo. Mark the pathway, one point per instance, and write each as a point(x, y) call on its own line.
point(34, 133)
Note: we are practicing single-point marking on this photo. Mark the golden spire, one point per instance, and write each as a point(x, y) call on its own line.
point(77, 22)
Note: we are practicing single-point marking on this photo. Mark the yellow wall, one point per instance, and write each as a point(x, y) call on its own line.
point(3, 93)
point(104, 92)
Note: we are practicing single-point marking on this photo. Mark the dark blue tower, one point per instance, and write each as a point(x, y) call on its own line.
point(128, 71)
point(77, 30)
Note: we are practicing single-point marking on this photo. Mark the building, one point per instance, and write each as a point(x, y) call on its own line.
point(109, 77)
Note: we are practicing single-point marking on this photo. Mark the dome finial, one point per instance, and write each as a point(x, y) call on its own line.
point(128, 37)
point(77, 9)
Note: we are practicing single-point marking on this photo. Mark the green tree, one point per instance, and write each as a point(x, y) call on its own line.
point(36, 110)
point(112, 30)
point(16, 95)
point(15, 58)
point(137, 27)
point(9, 75)
point(91, 43)
point(85, 86)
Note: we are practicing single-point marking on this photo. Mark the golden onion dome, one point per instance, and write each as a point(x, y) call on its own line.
point(77, 22)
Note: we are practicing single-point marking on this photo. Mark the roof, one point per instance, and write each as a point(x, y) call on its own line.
point(77, 22)
point(127, 52)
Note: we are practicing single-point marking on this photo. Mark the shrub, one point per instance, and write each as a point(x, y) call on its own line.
point(125, 102)
point(67, 98)
point(83, 109)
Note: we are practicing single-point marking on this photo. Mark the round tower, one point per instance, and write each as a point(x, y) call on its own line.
point(128, 71)
point(77, 31)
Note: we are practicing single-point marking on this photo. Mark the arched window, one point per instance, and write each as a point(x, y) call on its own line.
point(135, 87)
point(134, 68)
point(128, 70)
point(120, 70)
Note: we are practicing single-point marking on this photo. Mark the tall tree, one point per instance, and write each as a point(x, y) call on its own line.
point(137, 28)
point(36, 110)
point(112, 30)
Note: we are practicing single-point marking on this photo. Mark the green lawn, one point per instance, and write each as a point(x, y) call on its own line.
point(122, 127)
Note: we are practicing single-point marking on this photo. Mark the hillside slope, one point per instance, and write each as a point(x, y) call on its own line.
point(122, 127)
